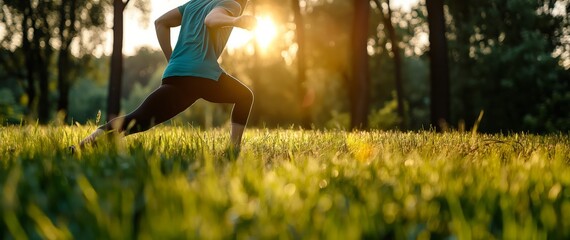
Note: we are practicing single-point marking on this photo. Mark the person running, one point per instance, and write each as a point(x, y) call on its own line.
point(193, 71)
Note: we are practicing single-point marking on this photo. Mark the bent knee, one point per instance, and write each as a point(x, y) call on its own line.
point(246, 95)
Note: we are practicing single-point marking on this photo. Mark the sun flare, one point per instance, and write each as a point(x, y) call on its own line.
point(263, 34)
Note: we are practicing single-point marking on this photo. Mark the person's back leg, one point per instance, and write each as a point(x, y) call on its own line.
point(164, 103)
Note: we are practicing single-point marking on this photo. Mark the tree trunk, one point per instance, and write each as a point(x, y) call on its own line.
point(30, 63)
point(66, 34)
point(254, 116)
point(397, 66)
point(42, 56)
point(438, 65)
point(37, 60)
point(359, 87)
point(115, 80)
point(304, 97)
point(44, 103)
point(63, 81)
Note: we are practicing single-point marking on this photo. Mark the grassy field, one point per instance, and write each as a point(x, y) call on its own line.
point(181, 183)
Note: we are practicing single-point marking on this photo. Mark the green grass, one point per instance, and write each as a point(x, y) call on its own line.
point(180, 183)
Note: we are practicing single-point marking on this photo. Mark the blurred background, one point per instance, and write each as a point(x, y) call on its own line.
point(501, 65)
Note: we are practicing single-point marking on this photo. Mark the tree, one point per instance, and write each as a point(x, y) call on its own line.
point(397, 62)
point(72, 20)
point(359, 86)
point(255, 69)
point(35, 23)
point(43, 55)
point(46, 27)
point(115, 78)
point(302, 65)
point(116, 74)
point(67, 31)
point(140, 67)
point(507, 61)
point(439, 75)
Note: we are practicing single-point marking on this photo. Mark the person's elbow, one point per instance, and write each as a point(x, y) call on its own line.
point(172, 18)
point(159, 23)
point(166, 22)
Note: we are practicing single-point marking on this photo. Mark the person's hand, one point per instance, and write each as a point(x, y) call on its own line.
point(246, 22)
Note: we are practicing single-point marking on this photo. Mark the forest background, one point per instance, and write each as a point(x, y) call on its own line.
point(508, 61)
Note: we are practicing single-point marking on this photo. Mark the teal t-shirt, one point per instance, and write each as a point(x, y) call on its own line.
point(198, 47)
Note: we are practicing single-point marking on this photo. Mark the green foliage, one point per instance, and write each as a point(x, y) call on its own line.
point(178, 183)
point(417, 89)
point(11, 102)
point(10, 110)
point(386, 117)
point(503, 62)
point(142, 68)
point(552, 114)
point(140, 90)
point(87, 99)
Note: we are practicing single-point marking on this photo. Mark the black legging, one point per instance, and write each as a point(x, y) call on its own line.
point(178, 93)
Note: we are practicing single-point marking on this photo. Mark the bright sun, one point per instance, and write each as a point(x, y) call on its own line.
point(264, 34)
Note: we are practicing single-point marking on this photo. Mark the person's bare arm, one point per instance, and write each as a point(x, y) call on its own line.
point(220, 17)
point(172, 18)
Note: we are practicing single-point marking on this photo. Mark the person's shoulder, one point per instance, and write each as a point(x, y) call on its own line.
point(184, 5)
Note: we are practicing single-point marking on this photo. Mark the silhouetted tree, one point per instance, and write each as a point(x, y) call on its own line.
point(439, 75)
point(397, 61)
point(116, 75)
point(360, 83)
point(35, 23)
point(46, 27)
point(73, 20)
point(302, 65)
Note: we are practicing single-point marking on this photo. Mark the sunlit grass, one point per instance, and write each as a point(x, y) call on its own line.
point(180, 183)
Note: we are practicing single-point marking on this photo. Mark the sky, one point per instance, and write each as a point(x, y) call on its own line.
point(138, 34)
